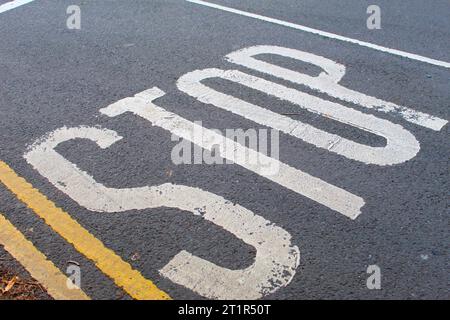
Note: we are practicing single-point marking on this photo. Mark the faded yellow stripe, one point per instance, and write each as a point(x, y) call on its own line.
point(36, 263)
point(61, 222)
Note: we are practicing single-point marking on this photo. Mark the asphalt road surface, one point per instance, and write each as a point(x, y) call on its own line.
point(362, 180)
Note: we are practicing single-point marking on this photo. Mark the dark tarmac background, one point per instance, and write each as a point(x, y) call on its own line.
point(52, 77)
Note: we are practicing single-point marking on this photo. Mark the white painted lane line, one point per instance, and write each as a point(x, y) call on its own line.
point(13, 4)
point(330, 35)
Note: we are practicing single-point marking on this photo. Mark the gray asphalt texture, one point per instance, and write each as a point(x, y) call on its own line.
point(52, 77)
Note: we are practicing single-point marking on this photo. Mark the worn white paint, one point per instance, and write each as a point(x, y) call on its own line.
point(401, 145)
point(325, 34)
point(13, 4)
point(327, 81)
point(296, 180)
point(276, 258)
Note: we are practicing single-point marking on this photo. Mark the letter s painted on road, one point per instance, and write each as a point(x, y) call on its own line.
point(276, 258)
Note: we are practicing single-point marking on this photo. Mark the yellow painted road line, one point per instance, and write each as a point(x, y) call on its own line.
point(61, 222)
point(36, 263)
